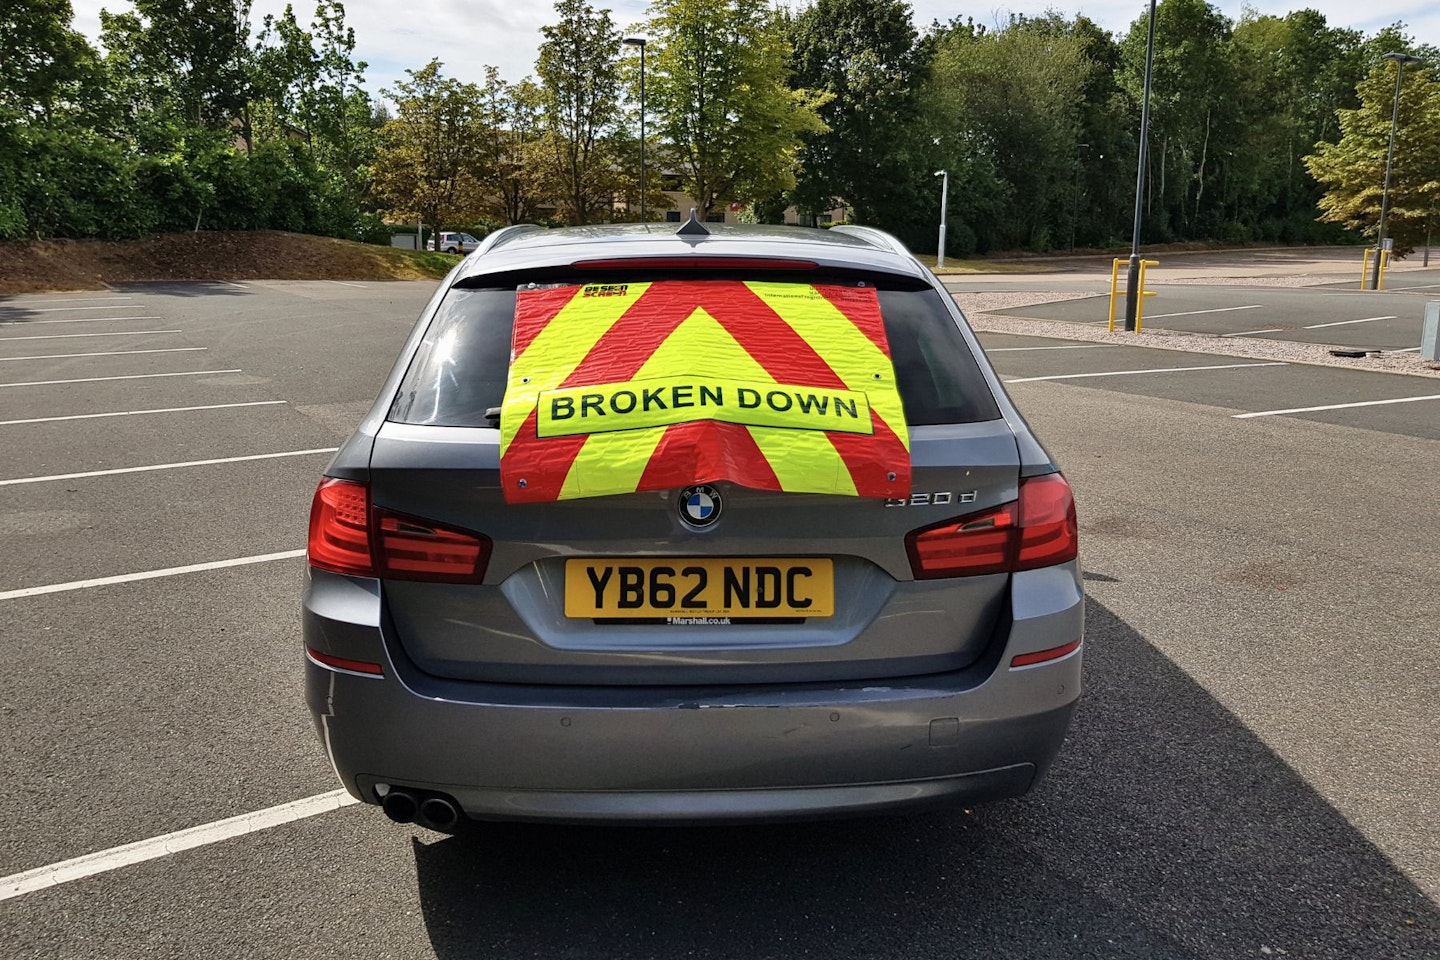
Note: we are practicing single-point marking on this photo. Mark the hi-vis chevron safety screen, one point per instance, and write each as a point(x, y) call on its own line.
point(618, 388)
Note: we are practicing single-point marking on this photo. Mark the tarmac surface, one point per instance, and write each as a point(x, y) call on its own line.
point(1254, 769)
point(1280, 295)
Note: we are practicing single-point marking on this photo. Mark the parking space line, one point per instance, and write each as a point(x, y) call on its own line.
point(166, 466)
point(72, 336)
point(42, 878)
point(1251, 333)
point(1078, 346)
point(1333, 406)
point(140, 413)
point(107, 353)
point(147, 575)
point(22, 303)
point(26, 323)
point(11, 306)
point(1341, 323)
point(1128, 373)
point(344, 284)
point(1194, 313)
point(133, 376)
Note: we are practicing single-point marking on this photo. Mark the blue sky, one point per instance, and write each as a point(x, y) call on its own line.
point(392, 37)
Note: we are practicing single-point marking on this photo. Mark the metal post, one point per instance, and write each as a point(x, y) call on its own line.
point(1400, 59)
point(944, 176)
point(641, 42)
point(1132, 281)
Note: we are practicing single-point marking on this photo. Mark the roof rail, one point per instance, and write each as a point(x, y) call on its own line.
point(872, 236)
point(505, 234)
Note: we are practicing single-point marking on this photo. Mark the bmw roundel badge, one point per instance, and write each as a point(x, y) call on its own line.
point(699, 505)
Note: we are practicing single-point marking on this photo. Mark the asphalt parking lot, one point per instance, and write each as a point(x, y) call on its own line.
point(1253, 770)
point(1304, 295)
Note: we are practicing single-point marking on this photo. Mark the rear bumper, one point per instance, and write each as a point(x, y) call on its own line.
point(512, 751)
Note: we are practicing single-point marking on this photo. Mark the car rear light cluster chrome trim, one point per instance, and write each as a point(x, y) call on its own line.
point(352, 536)
point(358, 668)
point(1042, 657)
point(1037, 530)
point(696, 263)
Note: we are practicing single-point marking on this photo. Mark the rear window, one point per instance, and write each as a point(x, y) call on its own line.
point(459, 372)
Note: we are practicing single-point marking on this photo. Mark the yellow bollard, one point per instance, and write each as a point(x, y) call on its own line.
point(1140, 304)
point(1114, 288)
point(1364, 268)
point(1384, 265)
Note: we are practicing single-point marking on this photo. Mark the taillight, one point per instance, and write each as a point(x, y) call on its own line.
point(1037, 530)
point(408, 548)
point(1048, 531)
point(340, 528)
point(348, 535)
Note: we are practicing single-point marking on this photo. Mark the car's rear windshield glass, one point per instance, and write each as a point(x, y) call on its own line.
point(457, 378)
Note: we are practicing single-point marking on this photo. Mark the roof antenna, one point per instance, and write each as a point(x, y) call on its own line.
point(692, 227)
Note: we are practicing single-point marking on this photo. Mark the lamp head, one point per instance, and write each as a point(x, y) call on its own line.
point(1403, 58)
point(636, 41)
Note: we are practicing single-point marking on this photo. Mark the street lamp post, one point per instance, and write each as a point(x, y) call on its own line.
point(1075, 210)
point(641, 42)
point(1132, 282)
point(1400, 60)
point(944, 176)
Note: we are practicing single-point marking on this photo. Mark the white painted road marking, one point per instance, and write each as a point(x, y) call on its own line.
point(117, 306)
point(71, 336)
point(133, 376)
point(1081, 346)
point(1127, 373)
point(106, 353)
point(138, 413)
point(27, 323)
point(41, 878)
point(1192, 313)
point(147, 575)
point(26, 303)
point(1333, 406)
point(344, 284)
point(1341, 323)
point(1313, 326)
point(165, 466)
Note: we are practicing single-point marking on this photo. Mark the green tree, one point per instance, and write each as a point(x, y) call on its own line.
point(186, 60)
point(435, 153)
point(1352, 170)
point(516, 184)
point(1190, 111)
point(1016, 94)
point(580, 76)
point(48, 65)
point(718, 87)
point(867, 56)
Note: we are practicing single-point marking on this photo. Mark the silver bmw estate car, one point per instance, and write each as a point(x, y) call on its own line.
point(720, 524)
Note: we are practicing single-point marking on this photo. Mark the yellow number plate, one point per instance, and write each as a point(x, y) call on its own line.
point(675, 588)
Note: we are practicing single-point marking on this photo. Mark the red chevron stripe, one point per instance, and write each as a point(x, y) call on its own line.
point(702, 451)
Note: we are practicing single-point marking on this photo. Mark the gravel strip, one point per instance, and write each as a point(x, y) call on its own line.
point(1253, 348)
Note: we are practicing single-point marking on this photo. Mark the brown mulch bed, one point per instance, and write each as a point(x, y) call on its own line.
point(28, 266)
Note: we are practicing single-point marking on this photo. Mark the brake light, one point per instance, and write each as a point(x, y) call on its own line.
point(349, 536)
point(1048, 530)
point(695, 263)
point(969, 546)
point(1037, 530)
point(339, 528)
point(409, 548)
